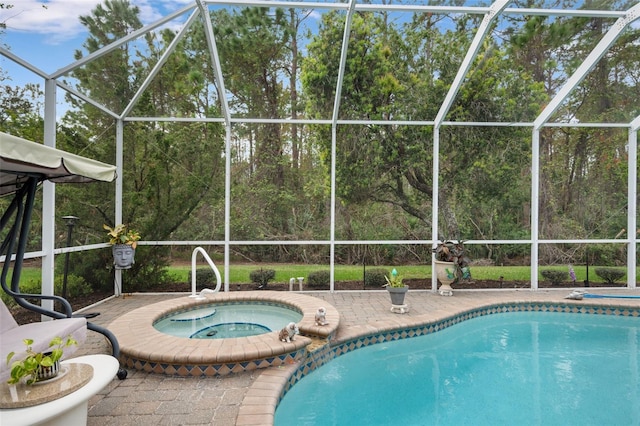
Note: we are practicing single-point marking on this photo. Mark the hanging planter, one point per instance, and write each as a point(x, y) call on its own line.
point(124, 243)
point(123, 256)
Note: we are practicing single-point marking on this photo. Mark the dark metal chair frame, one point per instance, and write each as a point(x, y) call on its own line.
point(16, 220)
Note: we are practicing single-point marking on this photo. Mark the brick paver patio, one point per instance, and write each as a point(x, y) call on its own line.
point(152, 399)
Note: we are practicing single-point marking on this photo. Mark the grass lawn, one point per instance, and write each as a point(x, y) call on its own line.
point(240, 273)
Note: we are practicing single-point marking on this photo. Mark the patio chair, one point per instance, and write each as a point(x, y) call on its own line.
point(23, 166)
point(12, 336)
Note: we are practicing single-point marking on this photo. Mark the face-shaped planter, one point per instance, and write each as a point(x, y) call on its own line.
point(123, 256)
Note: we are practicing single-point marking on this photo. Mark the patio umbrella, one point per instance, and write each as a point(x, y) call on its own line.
point(21, 159)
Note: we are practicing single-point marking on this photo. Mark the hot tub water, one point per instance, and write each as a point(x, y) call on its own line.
point(222, 321)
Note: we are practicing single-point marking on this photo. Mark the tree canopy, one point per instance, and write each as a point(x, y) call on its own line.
point(398, 69)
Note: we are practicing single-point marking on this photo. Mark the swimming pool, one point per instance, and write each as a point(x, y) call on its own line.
point(225, 321)
point(511, 368)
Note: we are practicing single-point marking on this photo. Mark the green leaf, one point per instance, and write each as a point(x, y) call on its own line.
point(47, 362)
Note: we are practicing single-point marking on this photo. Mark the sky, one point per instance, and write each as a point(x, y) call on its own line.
point(46, 33)
point(47, 37)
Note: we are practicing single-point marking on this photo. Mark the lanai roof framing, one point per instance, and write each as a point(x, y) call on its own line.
point(198, 13)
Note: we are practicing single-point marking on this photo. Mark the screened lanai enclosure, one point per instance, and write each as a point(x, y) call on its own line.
point(329, 133)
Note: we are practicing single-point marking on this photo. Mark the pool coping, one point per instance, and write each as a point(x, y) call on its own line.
point(142, 347)
point(262, 398)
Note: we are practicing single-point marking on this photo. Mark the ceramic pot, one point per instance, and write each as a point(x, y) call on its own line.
point(397, 294)
point(46, 373)
point(445, 271)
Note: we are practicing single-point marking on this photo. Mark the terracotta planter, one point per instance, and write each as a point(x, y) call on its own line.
point(123, 256)
point(445, 271)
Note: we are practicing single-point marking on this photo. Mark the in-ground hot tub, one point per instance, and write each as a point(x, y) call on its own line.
point(228, 320)
point(142, 347)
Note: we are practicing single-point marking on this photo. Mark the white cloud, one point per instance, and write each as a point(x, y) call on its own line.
point(59, 20)
point(148, 13)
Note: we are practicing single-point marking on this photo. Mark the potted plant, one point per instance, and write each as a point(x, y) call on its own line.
point(397, 291)
point(451, 265)
point(124, 242)
point(38, 366)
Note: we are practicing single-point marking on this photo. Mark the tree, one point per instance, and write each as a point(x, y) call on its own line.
point(404, 73)
point(258, 50)
point(20, 110)
point(583, 171)
point(169, 168)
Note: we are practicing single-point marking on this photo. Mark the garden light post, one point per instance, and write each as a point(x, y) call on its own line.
point(71, 222)
point(586, 255)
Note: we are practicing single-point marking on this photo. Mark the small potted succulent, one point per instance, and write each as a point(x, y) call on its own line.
point(124, 242)
point(396, 288)
point(38, 366)
point(451, 265)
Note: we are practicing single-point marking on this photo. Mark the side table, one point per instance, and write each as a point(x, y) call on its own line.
point(72, 408)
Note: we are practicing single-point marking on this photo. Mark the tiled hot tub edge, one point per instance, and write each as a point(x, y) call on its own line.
point(143, 348)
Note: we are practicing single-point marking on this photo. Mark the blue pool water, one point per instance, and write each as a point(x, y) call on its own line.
point(226, 321)
point(504, 369)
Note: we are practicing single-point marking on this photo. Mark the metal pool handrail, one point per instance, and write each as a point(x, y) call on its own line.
point(193, 273)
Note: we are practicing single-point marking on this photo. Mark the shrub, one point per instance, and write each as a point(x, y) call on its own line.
point(262, 276)
point(76, 286)
point(33, 286)
point(8, 300)
point(96, 268)
point(204, 276)
point(610, 275)
point(319, 279)
point(375, 277)
point(30, 287)
point(556, 277)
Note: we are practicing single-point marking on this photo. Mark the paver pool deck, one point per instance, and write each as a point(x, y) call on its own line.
point(249, 398)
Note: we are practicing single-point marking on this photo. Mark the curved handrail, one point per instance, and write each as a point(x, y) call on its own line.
point(193, 272)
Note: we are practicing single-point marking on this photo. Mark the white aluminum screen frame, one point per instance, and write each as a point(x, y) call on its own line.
point(200, 9)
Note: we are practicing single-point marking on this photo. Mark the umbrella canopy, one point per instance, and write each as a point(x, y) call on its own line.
point(21, 159)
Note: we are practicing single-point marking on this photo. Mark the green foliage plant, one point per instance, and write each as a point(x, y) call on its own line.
point(76, 286)
point(121, 234)
point(204, 276)
point(454, 251)
point(395, 281)
point(32, 284)
point(375, 277)
point(610, 275)
point(554, 276)
point(28, 366)
point(262, 276)
point(319, 279)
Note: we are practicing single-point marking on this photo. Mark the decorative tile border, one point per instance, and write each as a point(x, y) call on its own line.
point(194, 370)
